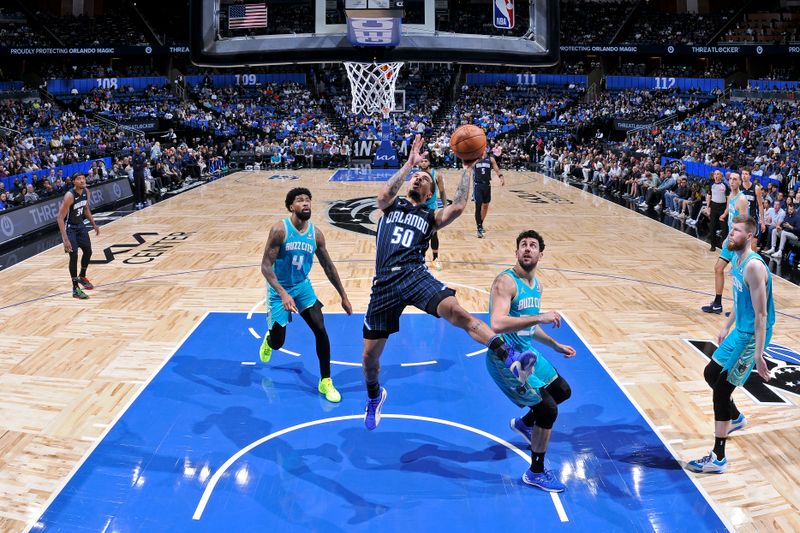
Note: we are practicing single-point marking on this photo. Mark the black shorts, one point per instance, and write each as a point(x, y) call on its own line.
point(483, 193)
point(392, 292)
point(79, 238)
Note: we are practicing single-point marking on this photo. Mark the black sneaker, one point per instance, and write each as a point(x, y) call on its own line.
point(712, 308)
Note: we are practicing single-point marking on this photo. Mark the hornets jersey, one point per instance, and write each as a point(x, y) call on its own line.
point(525, 303)
point(742, 302)
point(404, 232)
point(432, 203)
point(296, 255)
point(732, 211)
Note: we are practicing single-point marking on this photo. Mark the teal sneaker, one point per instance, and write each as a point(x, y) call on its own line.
point(738, 424)
point(708, 464)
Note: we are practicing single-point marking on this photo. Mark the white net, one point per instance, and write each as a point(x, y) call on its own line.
point(372, 85)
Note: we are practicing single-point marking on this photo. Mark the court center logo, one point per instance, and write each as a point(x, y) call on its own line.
point(782, 361)
point(359, 215)
point(786, 369)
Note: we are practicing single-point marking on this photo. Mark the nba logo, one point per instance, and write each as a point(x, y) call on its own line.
point(503, 14)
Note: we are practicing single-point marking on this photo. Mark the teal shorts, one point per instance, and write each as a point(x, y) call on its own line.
point(523, 396)
point(737, 355)
point(304, 297)
point(726, 254)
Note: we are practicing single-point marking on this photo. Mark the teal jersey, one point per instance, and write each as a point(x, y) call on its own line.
point(296, 255)
point(732, 211)
point(432, 202)
point(525, 303)
point(742, 302)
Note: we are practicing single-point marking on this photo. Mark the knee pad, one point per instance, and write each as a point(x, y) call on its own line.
point(711, 372)
point(546, 412)
point(560, 390)
point(722, 398)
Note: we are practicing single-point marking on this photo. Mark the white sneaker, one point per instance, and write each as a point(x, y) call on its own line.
point(769, 252)
point(777, 255)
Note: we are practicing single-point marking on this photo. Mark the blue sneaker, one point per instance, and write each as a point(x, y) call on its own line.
point(522, 430)
point(373, 410)
point(708, 464)
point(738, 424)
point(712, 308)
point(543, 480)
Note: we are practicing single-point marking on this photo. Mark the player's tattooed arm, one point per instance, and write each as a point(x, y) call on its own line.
point(392, 187)
point(277, 234)
point(463, 187)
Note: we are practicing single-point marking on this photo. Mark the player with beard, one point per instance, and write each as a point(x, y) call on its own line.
point(743, 348)
point(401, 277)
point(514, 311)
point(287, 260)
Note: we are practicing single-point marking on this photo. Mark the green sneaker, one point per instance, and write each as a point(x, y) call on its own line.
point(265, 352)
point(331, 394)
point(78, 293)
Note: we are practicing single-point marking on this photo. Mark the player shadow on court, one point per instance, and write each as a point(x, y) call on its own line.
point(349, 381)
point(210, 373)
point(421, 453)
point(618, 441)
point(241, 427)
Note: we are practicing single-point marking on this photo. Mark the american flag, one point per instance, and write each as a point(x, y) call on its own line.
point(247, 16)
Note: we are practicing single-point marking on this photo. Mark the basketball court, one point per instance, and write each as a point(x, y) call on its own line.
point(146, 407)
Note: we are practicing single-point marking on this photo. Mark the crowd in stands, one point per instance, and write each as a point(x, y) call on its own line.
point(464, 17)
point(15, 29)
point(656, 27)
point(760, 133)
point(584, 22)
point(118, 29)
point(765, 28)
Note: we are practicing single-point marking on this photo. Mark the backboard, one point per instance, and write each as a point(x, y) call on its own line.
point(263, 32)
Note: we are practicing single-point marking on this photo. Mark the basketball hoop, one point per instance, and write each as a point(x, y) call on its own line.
point(372, 85)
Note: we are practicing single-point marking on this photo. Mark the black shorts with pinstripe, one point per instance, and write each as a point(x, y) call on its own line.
point(393, 290)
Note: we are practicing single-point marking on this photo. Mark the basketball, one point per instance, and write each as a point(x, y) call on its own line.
point(468, 142)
